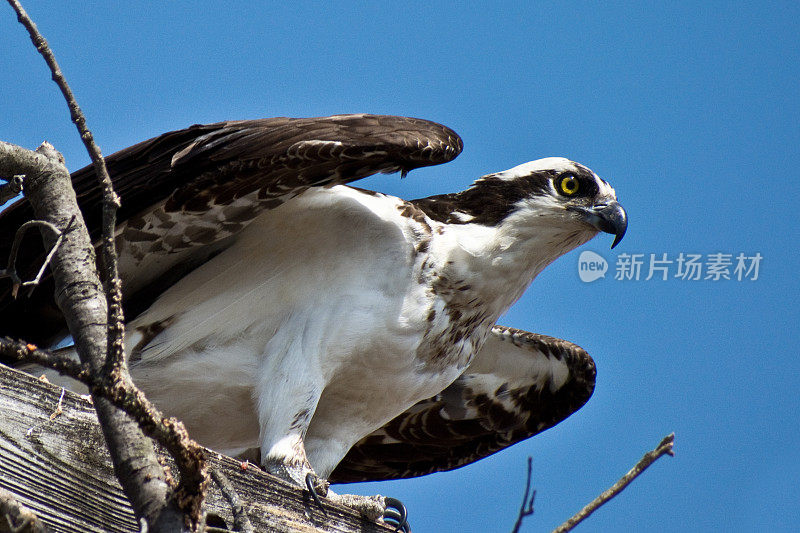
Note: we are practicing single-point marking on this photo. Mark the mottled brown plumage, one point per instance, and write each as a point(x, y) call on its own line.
point(187, 172)
point(467, 421)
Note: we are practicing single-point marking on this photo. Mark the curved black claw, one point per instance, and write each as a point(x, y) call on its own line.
point(396, 514)
point(310, 479)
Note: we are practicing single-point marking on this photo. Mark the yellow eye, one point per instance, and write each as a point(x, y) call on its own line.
point(569, 185)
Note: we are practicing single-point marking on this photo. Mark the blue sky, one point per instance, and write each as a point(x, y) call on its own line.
point(692, 112)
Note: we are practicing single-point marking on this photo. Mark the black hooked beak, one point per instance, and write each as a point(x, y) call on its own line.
point(609, 217)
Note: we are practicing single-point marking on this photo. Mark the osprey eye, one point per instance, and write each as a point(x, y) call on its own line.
point(569, 185)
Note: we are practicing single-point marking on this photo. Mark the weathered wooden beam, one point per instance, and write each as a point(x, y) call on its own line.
point(54, 461)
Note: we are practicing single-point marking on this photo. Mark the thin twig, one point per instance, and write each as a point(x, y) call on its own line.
point(526, 508)
point(53, 249)
point(11, 269)
point(241, 522)
point(67, 366)
point(116, 327)
point(663, 448)
point(75, 111)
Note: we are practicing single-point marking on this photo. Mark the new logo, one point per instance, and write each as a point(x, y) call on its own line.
point(591, 266)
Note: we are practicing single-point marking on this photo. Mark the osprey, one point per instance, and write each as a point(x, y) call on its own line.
point(335, 331)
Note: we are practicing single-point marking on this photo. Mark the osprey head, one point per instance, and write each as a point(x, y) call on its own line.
point(559, 191)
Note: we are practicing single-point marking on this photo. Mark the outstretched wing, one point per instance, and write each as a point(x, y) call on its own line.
point(184, 192)
point(518, 385)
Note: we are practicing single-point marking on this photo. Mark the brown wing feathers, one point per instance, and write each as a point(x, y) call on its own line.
point(482, 412)
point(192, 169)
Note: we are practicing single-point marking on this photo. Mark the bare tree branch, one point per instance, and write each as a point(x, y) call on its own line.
point(134, 458)
point(526, 508)
point(110, 198)
point(21, 351)
point(80, 296)
point(663, 448)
